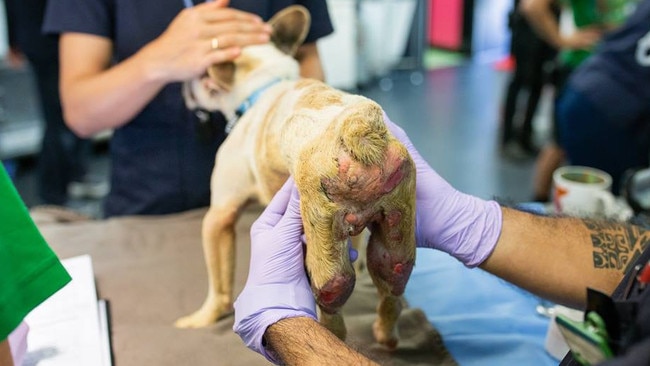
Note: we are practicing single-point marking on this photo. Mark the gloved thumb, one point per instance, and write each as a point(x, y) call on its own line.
point(276, 208)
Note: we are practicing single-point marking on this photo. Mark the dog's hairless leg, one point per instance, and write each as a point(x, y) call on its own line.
point(391, 256)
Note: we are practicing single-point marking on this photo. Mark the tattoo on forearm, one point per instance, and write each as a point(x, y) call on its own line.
point(616, 245)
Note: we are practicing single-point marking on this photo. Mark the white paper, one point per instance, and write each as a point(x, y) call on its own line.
point(65, 329)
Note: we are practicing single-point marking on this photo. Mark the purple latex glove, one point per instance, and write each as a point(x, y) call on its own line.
point(18, 343)
point(277, 286)
point(462, 225)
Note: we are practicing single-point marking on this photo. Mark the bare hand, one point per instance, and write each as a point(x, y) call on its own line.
point(15, 59)
point(582, 39)
point(203, 35)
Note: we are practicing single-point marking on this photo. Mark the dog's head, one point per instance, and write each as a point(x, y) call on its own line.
point(228, 84)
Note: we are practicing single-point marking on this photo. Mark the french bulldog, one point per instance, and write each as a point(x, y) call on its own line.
point(350, 171)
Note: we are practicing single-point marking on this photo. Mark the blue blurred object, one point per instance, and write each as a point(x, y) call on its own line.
point(11, 167)
point(483, 319)
point(538, 208)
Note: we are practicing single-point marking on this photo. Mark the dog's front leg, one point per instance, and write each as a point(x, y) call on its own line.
point(328, 263)
point(218, 234)
point(334, 322)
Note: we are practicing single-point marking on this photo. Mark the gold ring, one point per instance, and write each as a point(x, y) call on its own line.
point(214, 43)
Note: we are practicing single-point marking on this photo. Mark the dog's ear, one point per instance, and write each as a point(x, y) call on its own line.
point(290, 27)
point(222, 75)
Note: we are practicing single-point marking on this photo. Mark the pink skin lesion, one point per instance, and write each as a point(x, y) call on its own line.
point(335, 292)
point(357, 190)
point(394, 179)
point(392, 269)
point(365, 184)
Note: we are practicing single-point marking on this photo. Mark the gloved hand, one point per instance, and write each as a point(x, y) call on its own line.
point(462, 225)
point(277, 286)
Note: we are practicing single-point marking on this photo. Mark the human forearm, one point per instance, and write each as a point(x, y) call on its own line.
point(97, 95)
point(310, 63)
point(559, 258)
point(302, 341)
point(5, 354)
point(540, 16)
point(106, 99)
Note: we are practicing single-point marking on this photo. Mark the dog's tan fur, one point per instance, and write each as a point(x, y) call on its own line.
point(349, 170)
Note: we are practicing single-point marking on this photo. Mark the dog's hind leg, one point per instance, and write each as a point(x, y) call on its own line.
point(219, 254)
point(231, 188)
point(218, 234)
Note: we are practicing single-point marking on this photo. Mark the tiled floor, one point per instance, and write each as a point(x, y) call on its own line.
point(451, 115)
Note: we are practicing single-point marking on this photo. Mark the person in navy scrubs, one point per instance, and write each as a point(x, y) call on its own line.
point(122, 67)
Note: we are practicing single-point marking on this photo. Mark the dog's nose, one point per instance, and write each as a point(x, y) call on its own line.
point(335, 292)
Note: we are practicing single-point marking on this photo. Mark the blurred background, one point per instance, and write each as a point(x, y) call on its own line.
point(438, 67)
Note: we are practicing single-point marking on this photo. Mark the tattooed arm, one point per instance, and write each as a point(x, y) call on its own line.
point(558, 258)
point(5, 353)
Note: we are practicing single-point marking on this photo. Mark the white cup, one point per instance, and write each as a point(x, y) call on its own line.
point(583, 192)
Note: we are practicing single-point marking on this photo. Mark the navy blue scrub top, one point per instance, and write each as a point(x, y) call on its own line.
point(158, 163)
point(616, 77)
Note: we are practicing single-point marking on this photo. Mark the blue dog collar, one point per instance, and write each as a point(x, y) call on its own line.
point(248, 103)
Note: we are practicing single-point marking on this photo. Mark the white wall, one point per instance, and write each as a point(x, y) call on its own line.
point(338, 51)
point(369, 39)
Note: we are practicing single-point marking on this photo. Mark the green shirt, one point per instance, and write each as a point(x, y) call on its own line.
point(605, 13)
point(30, 272)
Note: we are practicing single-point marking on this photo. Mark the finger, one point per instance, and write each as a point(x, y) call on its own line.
point(234, 27)
point(213, 12)
point(292, 213)
point(278, 205)
point(227, 40)
point(352, 252)
point(221, 55)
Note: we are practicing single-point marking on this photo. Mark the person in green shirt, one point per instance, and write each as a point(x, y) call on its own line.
point(30, 271)
point(591, 19)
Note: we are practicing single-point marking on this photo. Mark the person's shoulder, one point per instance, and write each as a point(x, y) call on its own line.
point(83, 16)
point(321, 23)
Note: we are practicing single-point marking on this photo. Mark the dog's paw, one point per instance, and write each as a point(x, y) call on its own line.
point(385, 335)
point(203, 318)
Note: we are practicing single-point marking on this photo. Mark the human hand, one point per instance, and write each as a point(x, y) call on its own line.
point(462, 225)
point(187, 47)
point(582, 39)
point(277, 286)
point(15, 58)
